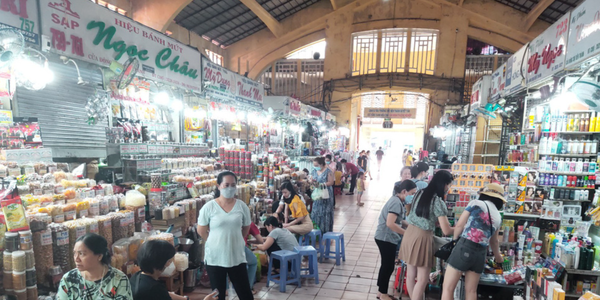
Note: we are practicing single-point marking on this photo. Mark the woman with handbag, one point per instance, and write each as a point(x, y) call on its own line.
point(478, 229)
point(416, 249)
point(322, 212)
point(389, 233)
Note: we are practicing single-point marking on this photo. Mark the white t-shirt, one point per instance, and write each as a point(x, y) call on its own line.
point(225, 244)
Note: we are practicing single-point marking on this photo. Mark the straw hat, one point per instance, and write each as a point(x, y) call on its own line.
point(494, 190)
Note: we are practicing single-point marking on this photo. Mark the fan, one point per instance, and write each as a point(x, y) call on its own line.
point(588, 93)
point(11, 46)
point(124, 73)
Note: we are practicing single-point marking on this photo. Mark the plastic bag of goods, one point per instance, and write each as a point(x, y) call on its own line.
point(135, 199)
point(120, 251)
point(135, 243)
point(44, 255)
point(181, 261)
point(105, 228)
point(60, 246)
point(14, 214)
point(119, 226)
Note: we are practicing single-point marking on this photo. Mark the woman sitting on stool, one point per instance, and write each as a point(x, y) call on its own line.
point(278, 239)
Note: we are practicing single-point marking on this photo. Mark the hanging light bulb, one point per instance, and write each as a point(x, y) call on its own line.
point(162, 98)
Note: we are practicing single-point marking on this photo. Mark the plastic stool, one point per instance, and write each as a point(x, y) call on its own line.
point(340, 248)
point(310, 239)
point(313, 266)
point(284, 256)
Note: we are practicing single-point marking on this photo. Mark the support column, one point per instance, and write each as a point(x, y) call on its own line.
point(157, 14)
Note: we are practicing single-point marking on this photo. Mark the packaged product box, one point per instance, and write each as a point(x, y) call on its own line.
point(579, 287)
point(589, 296)
point(559, 294)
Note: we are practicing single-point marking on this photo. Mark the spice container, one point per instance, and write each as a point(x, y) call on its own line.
point(70, 210)
point(134, 245)
point(83, 208)
point(19, 280)
point(57, 213)
point(21, 294)
point(94, 207)
point(60, 246)
point(38, 222)
point(18, 261)
point(7, 280)
point(25, 240)
point(32, 292)
point(29, 259)
point(44, 255)
point(30, 277)
point(7, 261)
point(12, 241)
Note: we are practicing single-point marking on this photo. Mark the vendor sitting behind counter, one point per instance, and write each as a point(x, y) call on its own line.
point(278, 239)
point(294, 207)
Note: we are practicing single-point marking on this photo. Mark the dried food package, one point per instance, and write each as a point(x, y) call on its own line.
point(105, 228)
point(120, 250)
point(119, 226)
point(60, 246)
point(44, 255)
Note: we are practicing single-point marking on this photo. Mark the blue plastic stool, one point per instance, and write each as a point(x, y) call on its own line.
point(340, 248)
point(284, 256)
point(313, 266)
point(310, 239)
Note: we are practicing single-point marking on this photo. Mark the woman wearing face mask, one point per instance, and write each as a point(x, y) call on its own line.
point(223, 224)
point(322, 212)
point(153, 258)
point(418, 173)
point(389, 233)
point(278, 239)
point(302, 224)
point(93, 278)
point(416, 249)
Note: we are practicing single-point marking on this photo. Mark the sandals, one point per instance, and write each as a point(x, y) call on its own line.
point(390, 297)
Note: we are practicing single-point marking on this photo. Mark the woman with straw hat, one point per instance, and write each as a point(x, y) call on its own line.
point(477, 229)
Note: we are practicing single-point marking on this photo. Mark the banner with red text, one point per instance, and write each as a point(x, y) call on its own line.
point(546, 55)
point(584, 33)
point(228, 85)
point(22, 16)
point(87, 31)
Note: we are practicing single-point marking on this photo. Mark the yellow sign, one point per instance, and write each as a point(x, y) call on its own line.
point(390, 113)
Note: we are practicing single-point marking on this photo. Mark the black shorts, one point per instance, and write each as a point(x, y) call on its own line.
point(468, 256)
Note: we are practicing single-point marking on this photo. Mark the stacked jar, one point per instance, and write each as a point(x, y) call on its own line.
point(11, 251)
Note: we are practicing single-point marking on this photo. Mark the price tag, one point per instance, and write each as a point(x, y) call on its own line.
point(104, 205)
point(59, 189)
point(100, 192)
point(95, 209)
point(130, 218)
point(37, 192)
point(83, 213)
point(62, 238)
point(141, 213)
point(124, 222)
point(90, 194)
point(80, 231)
point(59, 218)
point(135, 149)
point(124, 149)
point(94, 228)
point(70, 215)
point(46, 237)
point(143, 148)
point(152, 149)
point(107, 224)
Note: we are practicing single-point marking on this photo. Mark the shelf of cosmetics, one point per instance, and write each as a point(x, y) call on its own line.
point(573, 251)
point(569, 121)
point(543, 285)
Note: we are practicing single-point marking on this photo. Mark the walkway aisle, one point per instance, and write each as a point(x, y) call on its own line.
point(355, 279)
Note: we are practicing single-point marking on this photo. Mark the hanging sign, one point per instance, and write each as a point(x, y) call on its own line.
point(228, 85)
point(315, 113)
point(584, 33)
point(295, 106)
point(390, 113)
point(498, 83)
point(546, 55)
point(90, 32)
point(6, 117)
point(21, 15)
point(515, 71)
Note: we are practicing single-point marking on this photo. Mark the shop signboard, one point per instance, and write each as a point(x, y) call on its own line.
point(546, 55)
point(315, 113)
point(498, 83)
point(288, 106)
point(515, 72)
point(584, 33)
point(6, 117)
point(228, 85)
point(481, 91)
point(21, 15)
point(295, 107)
point(90, 32)
point(390, 113)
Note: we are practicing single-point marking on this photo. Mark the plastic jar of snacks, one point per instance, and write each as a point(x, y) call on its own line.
point(29, 259)
point(105, 228)
point(181, 261)
point(18, 261)
point(60, 246)
point(7, 261)
point(30, 277)
point(44, 255)
point(21, 294)
point(11, 241)
point(7, 280)
point(19, 280)
point(32, 292)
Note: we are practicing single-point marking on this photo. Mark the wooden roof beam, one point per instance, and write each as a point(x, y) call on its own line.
point(264, 16)
point(535, 13)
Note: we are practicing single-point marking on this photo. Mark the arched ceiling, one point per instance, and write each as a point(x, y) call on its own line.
point(225, 22)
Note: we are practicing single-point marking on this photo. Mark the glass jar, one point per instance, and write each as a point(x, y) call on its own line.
point(18, 261)
point(19, 280)
point(7, 261)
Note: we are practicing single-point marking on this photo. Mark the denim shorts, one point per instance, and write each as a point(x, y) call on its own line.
point(468, 256)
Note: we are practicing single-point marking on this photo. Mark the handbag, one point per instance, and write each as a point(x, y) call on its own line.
point(324, 192)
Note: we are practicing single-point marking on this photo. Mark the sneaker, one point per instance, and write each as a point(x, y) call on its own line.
point(349, 193)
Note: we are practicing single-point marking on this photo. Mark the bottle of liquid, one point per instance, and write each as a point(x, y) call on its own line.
point(565, 122)
point(553, 123)
point(586, 128)
point(592, 167)
point(579, 166)
point(581, 148)
point(593, 122)
point(582, 123)
point(597, 123)
point(543, 142)
point(554, 149)
point(576, 121)
point(594, 147)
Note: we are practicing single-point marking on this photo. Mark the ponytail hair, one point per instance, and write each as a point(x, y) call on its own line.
point(273, 222)
point(418, 169)
point(220, 180)
point(407, 185)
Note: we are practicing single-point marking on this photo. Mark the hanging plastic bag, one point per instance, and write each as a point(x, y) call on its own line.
point(324, 192)
point(316, 194)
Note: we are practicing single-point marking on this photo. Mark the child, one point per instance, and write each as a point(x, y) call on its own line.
point(338, 185)
point(361, 188)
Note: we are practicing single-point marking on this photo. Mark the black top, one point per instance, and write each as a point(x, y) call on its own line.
point(144, 287)
point(362, 162)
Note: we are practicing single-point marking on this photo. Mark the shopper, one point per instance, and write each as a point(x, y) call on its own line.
point(404, 174)
point(389, 233)
point(352, 172)
point(368, 171)
point(322, 212)
point(418, 174)
point(93, 277)
point(338, 185)
point(297, 220)
point(404, 154)
point(331, 164)
point(478, 229)
point(278, 239)
point(409, 161)
point(229, 222)
point(361, 188)
point(416, 249)
point(153, 258)
point(379, 155)
point(362, 161)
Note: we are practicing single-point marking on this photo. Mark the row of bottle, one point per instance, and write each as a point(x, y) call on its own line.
point(551, 144)
point(585, 122)
point(575, 195)
point(587, 182)
point(567, 165)
point(573, 253)
point(530, 155)
point(519, 138)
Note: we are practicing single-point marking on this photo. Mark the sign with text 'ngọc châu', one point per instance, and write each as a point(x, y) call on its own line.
point(390, 113)
point(87, 31)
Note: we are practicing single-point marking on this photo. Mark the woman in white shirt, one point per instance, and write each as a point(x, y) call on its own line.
point(223, 223)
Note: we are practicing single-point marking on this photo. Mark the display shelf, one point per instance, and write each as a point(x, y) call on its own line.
point(571, 155)
point(567, 187)
point(567, 173)
point(485, 155)
point(566, 112)
point(488, 142)
point(569, 200)
point(572, 132)
point(521, 216)
point(583, 272)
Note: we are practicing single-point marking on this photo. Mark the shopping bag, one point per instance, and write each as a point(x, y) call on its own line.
point(445, 251)
point(324, 192)
point(316, 194)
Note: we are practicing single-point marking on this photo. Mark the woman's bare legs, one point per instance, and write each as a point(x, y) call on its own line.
point(422, 280)
point(451, 278)
point(471, 283)
point(411, 275)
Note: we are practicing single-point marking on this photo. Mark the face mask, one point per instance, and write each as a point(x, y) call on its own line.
point(169, 270)
point(228, 192)
point(327, 161)
point(409, 199)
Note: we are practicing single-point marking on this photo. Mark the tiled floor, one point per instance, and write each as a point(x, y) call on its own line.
point(356, 278)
